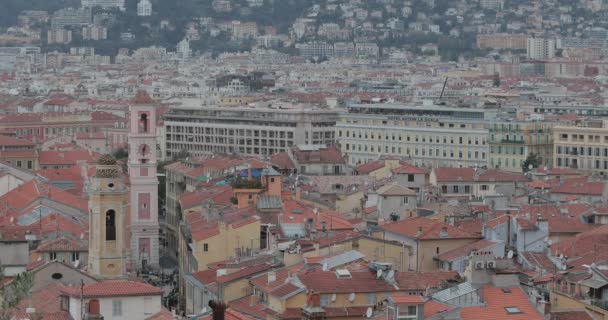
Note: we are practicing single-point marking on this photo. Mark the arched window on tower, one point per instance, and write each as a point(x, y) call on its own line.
point(110, 225)
point(143, 123)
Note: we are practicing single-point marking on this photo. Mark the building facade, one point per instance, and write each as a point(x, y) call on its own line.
point(144, 8)
point(247, 131)
point(583, 147)
point(512, 141)
point(144, 183)
point(428, 136)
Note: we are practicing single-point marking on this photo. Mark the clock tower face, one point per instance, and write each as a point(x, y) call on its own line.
point(144, 149)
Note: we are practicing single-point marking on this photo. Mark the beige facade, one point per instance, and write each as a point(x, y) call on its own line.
point(502, 41)
point(108, 199)
point(511, 143)
point(581, 147)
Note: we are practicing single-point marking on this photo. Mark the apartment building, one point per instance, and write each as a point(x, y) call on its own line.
point(512, 141)
point(70, 17)
point(255, 131)
point(540, 48)
point(104, 4)
point(584, 146)
point(59, 36)
point(428, 135)
point(502, 41)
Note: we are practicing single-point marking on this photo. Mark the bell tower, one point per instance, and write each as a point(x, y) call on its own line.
point(144, 228)
point(108, 197)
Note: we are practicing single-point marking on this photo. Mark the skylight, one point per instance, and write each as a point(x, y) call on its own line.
point(512, 310)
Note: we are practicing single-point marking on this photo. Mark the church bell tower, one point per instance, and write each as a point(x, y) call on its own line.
point(108, 198)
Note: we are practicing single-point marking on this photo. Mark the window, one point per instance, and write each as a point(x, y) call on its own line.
point(116, 308)
point(467, 189)
point(148, 306)
point(444, 189)
point(324, 300)
point(484, 187)
point(371, 298)
point(75, 256)
point(52, 255)
point(455, 189)
point(410, 178)
point(405, 200)
point(110, 225)
point(205, 247)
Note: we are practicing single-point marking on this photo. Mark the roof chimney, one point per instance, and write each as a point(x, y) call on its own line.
point(443, 233)
point(419, 232)
point(218, 308)
point(272, 277)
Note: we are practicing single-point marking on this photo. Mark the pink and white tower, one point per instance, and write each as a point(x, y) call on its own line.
point(144, 228)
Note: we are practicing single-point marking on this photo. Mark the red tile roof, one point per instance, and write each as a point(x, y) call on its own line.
point(420, 281)
point(113, 289)
point(46, 300)
point(328, 282)
point(454, 174)
point(52, 157)
point(220, 195)
point(407, 299)
point(366, 168)
point(407, 168)
point(63, 245)
point(494, 175)
point(202, 228)
point(577, 186)
point(329, 154)
point(163, 314)
point(246, 272)
point(433, 308)
point(425, 229)
point(465, 250)
point(496, 302)
point(6, 141)
point(282, 161)
point(570, 315)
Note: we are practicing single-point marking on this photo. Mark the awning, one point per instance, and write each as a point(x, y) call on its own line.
point(594, 283)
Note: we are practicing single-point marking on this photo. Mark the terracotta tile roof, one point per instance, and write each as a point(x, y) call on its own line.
point(366, 168)
point(206, 277)
point(495, 175)
point(230, 314)
point(407, 299)
point(471, 226)
point(18, 233)
point(576, 186)
point(246, 272)
point(420, 281)
point(407, 168)
point(433, 308)
point(281, 160)
point(465, 250)
point(540, 260)
point(52, 157)
point(496, 303)
point(113, 289)
point(454, 174)
point(6, 141)
point(201, 228)
point(425, 229)
point(330, 154)
point(261, 282)
point(326, 184)
point(571, 315)
point(298, 212)
point(63, 245)
point(163, 314)
point(257, 310)
point(395, 190)
point(23, 196)
point(220, 195)
point(328, 282)
point(539, 185)
point(46, 300)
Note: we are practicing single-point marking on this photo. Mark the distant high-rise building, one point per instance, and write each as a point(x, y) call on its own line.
point(60, 36)
point(105, 4)
point(70, 17)
point(540, 48)
point(94, 32)
point(144, 8)
point(492, 4)
point(183, 49)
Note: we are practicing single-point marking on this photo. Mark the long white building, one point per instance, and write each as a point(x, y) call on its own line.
point(253, 130)
point(428, 135)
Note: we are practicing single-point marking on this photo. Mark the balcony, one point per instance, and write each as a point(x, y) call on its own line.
point(512, 141)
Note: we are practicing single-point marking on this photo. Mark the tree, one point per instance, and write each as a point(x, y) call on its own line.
point(533, 160)
point(121, 153)
point(13, 292)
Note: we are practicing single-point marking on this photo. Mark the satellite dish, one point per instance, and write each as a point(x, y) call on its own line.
point(378, 273)
point(333, 297)
point(510, 254)
point(391, 274)
point(351, 297)
point(369, 312)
